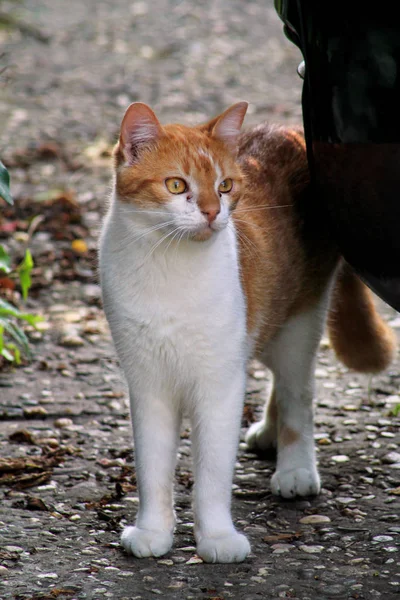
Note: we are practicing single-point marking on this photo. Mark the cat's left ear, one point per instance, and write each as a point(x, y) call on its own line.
point(139, 129)
point(226, 127)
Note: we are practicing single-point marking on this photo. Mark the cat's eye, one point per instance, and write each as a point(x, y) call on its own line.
point(175, 185)
point(225, 186)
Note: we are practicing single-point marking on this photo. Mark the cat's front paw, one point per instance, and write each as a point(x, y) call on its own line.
point(231, 548)
point(289, 483)
point(260, 437)
point(143, 543)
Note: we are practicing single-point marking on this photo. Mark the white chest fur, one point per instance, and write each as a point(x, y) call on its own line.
point(173, 308)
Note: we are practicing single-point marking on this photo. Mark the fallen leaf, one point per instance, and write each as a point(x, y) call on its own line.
point(79, 246)
point(282, 536)
point(34, 503)
point(22, 436)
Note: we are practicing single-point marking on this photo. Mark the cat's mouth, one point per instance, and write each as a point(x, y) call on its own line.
point(203, 234)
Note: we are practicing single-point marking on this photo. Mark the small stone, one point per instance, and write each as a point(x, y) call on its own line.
point(313, 519)
point(387, 434)
point(382, 538)
point(75, 518)
point(47, 575)
point(333, 591)
point(345, 500)
point(391, 457)
point(72, 341)
point(35, 412)
point(3, 570)
point(312, 549)
point(340, 458)
point(324, 442)
point(17, 549)
point(63, 422)
point(195, 560)
point(281, 548)
point(167, 562)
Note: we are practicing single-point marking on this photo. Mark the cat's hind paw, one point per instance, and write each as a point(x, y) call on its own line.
point(296, 482)
point(261, 438)
point(143, 543)
point(231, 548)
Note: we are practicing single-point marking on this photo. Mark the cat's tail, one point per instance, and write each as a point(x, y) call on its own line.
point(359, 336)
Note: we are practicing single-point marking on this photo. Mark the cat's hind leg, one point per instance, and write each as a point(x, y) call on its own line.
point(261, 436)
point(291, 356)
point(156, 423)
point(215, 435)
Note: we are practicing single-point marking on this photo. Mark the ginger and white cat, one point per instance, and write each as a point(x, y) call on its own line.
point(211, 253)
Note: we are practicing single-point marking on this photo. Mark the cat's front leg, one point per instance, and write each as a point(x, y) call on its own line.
point(216, 422)
point(156, 422)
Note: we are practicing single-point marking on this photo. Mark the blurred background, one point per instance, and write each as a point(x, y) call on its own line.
point(70, 69)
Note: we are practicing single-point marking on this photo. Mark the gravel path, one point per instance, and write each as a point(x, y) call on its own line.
point(68, 483)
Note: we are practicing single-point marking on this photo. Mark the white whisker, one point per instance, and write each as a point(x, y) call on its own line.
point(262, 207)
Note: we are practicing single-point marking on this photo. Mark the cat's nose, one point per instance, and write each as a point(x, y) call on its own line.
point(211, 213)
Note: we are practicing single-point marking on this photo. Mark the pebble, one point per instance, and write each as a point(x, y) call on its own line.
point(3, 570)
point(391, 457)
point(313, 519)
point(35, 412)
point(333, 591)
point(167, 562)
point(72, 341)
point(195, 560)
point(340, 458)
point(17, 549)
point(345, 499)
point(63, 422)
point(382, 538)
point(312, 549)
point(47, 575)
point(281, 548)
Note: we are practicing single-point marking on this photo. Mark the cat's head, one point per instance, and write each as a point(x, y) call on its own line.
point(183, 179)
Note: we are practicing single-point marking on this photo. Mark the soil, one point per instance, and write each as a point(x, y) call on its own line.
point(66, 459)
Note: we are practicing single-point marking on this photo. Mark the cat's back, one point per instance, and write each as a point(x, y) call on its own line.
point(277, 252)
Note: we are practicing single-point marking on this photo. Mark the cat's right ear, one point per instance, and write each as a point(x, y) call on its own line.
point(139, 128)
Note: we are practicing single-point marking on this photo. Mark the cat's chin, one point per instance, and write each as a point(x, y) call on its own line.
point(203, 235)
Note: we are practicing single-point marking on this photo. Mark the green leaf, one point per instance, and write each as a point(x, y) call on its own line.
point(15, 353)
point(5, 260)
point(5, 184)
point(396, 410)
point(16, 334)
point(7, 355)
point(7, 309)
point(24, 272)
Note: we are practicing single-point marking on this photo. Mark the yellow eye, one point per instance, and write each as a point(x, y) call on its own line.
point(175, 185)
point(225, 185)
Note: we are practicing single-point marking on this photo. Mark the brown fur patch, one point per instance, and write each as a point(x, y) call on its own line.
point(287, 436)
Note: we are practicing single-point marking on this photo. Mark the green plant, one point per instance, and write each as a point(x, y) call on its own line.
point(13, 340)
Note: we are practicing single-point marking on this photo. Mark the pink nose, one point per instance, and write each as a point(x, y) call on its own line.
point(211, 214)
